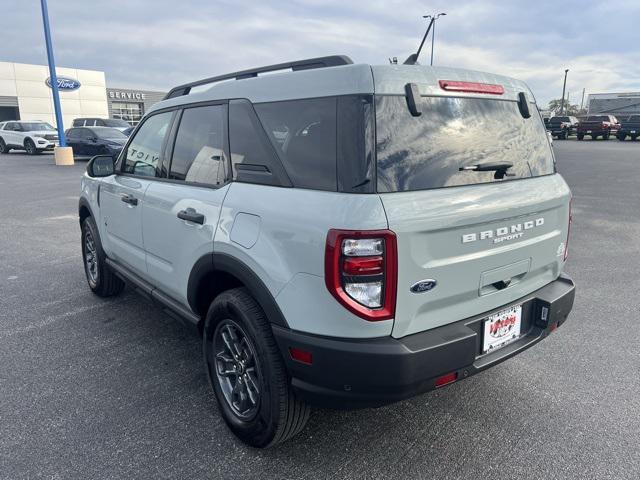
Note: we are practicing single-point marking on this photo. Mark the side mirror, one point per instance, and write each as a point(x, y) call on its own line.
point(101, 166)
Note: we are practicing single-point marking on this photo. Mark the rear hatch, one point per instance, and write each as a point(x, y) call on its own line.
point(475, 241)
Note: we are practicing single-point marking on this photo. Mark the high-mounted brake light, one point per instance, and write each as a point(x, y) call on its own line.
point(566, 245)
point(361, 271)
point(471, 87)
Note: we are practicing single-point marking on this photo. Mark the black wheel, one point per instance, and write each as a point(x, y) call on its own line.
point(606, 136)
point(30, 147)
point(564, 135)
point(3, 147)
point(594, 137)
point(102, 281)
point(634, 137)
point(621, 136)
point(580, 137)
point(248, 374)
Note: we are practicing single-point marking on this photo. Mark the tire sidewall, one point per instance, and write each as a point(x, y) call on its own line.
point(3, 146)
point(259, 430)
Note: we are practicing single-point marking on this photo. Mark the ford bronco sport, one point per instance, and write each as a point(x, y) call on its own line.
point(341, 234)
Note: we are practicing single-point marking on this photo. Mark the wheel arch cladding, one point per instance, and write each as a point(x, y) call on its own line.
point(84, 210)
point(215, 273)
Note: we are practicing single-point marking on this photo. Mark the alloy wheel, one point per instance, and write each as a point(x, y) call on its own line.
point(90, 257)
point(237, 369)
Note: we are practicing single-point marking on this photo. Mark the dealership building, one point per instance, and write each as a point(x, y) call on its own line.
point(25, 94)
point(619, 104)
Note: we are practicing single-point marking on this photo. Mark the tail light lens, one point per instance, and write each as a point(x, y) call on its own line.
point(566, 245)
point(361, 270)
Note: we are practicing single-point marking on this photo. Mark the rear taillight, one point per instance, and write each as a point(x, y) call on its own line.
point(566, 245)
point(604, 124)
point(361, 271)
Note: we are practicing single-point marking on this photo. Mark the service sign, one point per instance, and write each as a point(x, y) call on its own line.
point(65, 84)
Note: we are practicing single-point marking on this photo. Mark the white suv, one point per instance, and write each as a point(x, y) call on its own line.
point(33, 137)
point(340, 234)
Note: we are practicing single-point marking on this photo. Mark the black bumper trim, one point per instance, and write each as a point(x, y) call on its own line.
point(357, 373)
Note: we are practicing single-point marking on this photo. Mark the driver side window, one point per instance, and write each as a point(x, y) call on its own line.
point(144, 151)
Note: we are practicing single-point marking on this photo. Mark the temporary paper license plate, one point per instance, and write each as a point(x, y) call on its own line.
point(502, 328)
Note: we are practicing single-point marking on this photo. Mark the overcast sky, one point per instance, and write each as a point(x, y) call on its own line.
point(157, 44)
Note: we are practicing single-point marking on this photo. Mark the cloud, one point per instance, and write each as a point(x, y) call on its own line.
point(155, 44)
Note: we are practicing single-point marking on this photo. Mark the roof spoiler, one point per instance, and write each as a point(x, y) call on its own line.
point(308, 64)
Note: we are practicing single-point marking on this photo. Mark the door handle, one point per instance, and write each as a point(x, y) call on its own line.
point(190, 215)
point(130, 199)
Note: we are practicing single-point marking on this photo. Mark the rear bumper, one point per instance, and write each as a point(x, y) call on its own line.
point(357, 373)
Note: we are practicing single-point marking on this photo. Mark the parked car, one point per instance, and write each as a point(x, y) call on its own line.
point(630, 127)
point(332, 244)
point(563, 127)
point(31, 136)
point(598, 126)
point(90, 141)
point(102, 122)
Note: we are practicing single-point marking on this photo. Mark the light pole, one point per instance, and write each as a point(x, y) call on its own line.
point(433, 33)
point(52, 74)
point(564, 86)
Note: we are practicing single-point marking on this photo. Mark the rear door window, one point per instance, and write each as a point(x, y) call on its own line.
point(199, 149)
point(425, 152)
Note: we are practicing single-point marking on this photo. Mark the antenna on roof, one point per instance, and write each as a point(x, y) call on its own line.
point(413, 58)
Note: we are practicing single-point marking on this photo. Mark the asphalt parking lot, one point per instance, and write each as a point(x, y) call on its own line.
point(93, 388)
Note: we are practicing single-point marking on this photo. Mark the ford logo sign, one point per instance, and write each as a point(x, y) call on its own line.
point(424, 285)
point(64, 83)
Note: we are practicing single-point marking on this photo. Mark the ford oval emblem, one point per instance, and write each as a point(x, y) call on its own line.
point(65, 83)
point(424, 285)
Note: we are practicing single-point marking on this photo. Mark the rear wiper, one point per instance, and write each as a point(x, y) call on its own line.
point(499, 167)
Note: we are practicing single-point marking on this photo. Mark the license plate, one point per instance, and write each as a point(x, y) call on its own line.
point(502, 328)
point(588, 131)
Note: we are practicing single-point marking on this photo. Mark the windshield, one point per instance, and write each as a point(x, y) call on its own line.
point(35, 126)
point(425, 152)
point(109, 133)
point(115, 122)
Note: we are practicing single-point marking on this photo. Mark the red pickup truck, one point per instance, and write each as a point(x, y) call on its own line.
point(598, 126)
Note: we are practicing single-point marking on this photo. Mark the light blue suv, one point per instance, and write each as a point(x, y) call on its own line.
point(340, 234)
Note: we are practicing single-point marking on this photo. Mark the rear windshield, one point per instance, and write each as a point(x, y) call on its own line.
point(598, 118)
point(560, 119)
point(634, 118)
point(425, 152)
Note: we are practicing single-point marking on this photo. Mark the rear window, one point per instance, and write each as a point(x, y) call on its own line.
point(560, 119)
point(426, 152)
point(634, 118)
point(597, 118)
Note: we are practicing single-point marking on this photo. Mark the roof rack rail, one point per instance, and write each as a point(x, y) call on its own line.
point(308, 64)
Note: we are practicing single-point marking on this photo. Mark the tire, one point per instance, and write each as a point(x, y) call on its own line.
point(633, 138)
point(580, 137)
point(273, 414)
point(606, 136)
point(30, 147)
point(594, 137)
point(564, 135)
point(621, 136)
point(3, 147)
point(102, 281)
